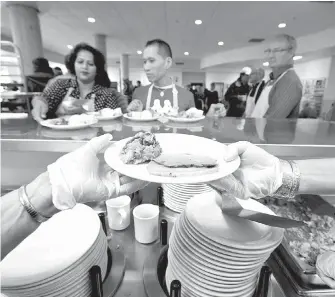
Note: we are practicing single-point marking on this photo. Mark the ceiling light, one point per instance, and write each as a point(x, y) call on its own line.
point(69, 46)
point(266, 64)
point(91, 20)
point(297, 58)
point(282, 25)
point(186, 53)
point(139, 52)
point(198, 22)
point(220, 43)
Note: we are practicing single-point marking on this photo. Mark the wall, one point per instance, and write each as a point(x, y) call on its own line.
point(225, 77)
point(314, 69)
point(329, 96)
point(193, 77)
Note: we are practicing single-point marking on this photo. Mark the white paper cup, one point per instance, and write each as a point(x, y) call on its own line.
point(118, 212)
point(146, 223)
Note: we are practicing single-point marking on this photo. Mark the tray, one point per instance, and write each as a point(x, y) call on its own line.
point(305, 272)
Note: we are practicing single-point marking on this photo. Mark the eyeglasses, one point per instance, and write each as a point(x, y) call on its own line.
point(276, 50)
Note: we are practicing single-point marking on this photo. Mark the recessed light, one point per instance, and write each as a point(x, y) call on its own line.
point(186, 53)
point(220, 43)
point(69, 46)
point(297, 58)
point(91, 20)
point(198, 22)
point(282, 25)
point(139, 52)
point(266, 64)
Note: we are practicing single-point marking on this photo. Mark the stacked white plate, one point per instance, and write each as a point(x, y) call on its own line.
point(212, 254)
point(175, 196)
point(55, 260)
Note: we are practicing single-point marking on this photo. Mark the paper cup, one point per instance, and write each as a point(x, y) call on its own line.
point(146, 223)
point(118, 212)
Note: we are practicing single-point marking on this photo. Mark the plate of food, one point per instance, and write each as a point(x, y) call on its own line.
point(170, 158)
point(107, 114)
point(191, 115)
point(141, 116)
point(70, 122)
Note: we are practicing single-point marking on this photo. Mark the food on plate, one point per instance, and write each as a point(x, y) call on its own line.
point(141, 115)
point(177, 165)
point(191, 113)
point(108, 112)
point(135, 105)
point(167, 109)
point(141, 148)
point(75, 120)
point(306, 242)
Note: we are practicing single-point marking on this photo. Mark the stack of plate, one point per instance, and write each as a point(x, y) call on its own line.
point(175, 196)
point(212, 254)
point(55, 260)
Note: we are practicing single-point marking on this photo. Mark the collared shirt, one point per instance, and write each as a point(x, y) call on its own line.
point(185, 97)
point(104, 97)
point(286, 94)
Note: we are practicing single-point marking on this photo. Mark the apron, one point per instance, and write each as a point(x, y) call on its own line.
point(174, 93)
point(262, 104)
point(251, 102)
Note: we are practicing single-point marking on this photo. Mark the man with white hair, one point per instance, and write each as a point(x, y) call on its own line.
point(257, 85)
point(282, 95)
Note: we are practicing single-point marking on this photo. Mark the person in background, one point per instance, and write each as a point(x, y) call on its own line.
point(157, 57)
point(57, 71)
point(200, 97)
point(90, 84)
point(237, 93)
point(138, 84)
point(281, 97)
point(308, 111)
point(127, 89)
point(37, 81)
point(257, 83)
point(211, 97)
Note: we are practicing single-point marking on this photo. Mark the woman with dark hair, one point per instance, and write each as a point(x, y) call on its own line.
point(89, 86)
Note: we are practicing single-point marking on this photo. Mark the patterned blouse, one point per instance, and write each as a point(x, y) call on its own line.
point(104, 97)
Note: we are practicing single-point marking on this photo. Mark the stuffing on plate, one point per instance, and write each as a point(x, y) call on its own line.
point(141, 148)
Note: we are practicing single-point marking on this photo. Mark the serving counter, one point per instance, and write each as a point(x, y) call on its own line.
point(27, 148)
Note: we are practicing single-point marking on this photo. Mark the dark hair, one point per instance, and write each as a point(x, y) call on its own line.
point(162, 46)
point(101, 77)
point(42, 65)
point(67, 62)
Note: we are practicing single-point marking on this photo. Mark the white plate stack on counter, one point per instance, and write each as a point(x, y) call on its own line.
point(56, 259)
point(175, 196)
point(213, 254)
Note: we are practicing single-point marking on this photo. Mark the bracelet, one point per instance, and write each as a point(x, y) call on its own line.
point(29, 207)
point(291, 180)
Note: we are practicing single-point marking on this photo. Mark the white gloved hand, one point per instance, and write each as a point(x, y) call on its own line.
point(80, 176)
point(325, 267)
point(259, 174)
point(40, 109)
point(218, 110)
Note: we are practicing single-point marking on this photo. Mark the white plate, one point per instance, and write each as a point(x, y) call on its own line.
point(154, 118)
point(185, 120)
point(186, 144)
point(107, 118)
point(50, 124)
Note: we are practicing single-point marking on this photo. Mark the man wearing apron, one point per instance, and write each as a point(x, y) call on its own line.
point(281, 96)
point(157, 57)
point(257, 82)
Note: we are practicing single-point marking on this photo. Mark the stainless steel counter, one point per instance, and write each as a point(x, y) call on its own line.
point(310, 137)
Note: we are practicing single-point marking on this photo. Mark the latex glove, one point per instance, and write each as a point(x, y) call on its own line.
point(40, 109)
point(80, 177)
point(217, 110)
point(259, 174)
point(325, 267)
point(135, 105)
point(70, 107)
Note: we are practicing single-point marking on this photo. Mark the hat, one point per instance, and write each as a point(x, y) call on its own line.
point(246, 70)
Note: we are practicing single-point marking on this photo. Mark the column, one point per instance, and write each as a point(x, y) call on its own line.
point(26, 32)
point(329, 95)
point(124, 68)
point(100, 44)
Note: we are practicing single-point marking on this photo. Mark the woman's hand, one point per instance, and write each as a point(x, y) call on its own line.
point(259, 174)
point(70, 107)
point(80, 176)
point(325, 267)
point(40, 109)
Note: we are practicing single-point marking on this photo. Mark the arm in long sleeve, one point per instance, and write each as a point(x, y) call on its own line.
point(285, 99)
point(317, 176)
point(54, 94)
point(16, 223)
point(122, 101)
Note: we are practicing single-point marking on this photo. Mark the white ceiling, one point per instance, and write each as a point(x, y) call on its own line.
point(129, 24)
